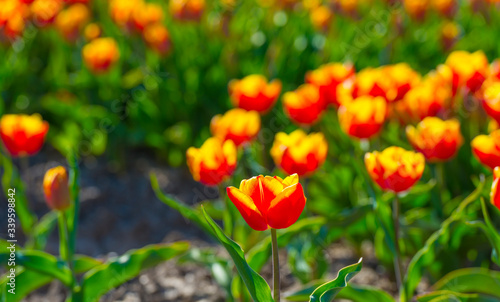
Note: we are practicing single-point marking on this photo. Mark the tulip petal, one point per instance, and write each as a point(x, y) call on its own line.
point(247, 209)
point(286, 208)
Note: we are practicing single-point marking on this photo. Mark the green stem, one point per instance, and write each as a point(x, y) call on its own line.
point(397, 258)
point(437, 199)
point(64, 246)
point(276, 266)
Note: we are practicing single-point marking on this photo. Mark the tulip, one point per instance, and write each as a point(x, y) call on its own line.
point(395, 169)
point(304, 105)
point(416, 9)
point(71, 20)
point(486, 148)
point(158, 38)
point(490, 97)
point(349, 7)
point(56, 189)
point(237, 124)
point(321, 17)
point(429, 98)
point(469, 69)
point(13, 14)
point(187, 10)
point(328, 78)
point(495, 69)
point(446, 8)
point(403, 78)
point(374, 82)
point(147, 14)
point(214, 162)
point(45, 11)
point(121, 11)
point(92, 31)
point(254, 93)
point(495, 193)
point(363, 117)
point(449, 34)
point(100, 54)
point(298, 152)
point(436, 139)
point(269, 202)
point(23, 135)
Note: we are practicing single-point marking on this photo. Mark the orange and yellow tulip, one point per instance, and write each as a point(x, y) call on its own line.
point(403, 78)
point(253, 92)
point(13, 14)
point(363, 117)
point(71, 20)
point(490, 97)
point(328, 78)
point(469, 69)
point(214, 162)
point(187, 10)
point(298, 152)
point(121, 11)
point(45, 11)
point(158, 38)
point(100, 54)
point(445, 7)
point(269, 202)
point(436, 139)
point(237, 124)
point(495, 193)
point(486, 148)
point(92, 31)
point(56, 189)
point(495, 69)
point(416, 9)
point(321, 17)
point(304, 105)
point(23, 135)
point(395, 169)
point(449, 34)
point(374, 82)
point(147, 14)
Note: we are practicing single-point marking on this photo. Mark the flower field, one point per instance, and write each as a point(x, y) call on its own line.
point(260, 150)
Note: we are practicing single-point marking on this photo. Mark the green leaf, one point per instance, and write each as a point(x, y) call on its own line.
point(41, 262)
point(446, 295)
point(471, 280)
point(193, 215)
point(115, 272)
point(28, 280)
point(428, 253)
point(256, 285)
point(42, 230)
point(327, 291)
point(491, 233)
point(352, 292)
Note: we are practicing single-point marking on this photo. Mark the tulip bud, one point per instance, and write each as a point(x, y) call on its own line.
point(238, 125)
point(486, 148)
point(56, 189)
point(254, 93)
point(305, 105)
point(23, 135)
point(363, 117)
point(495, 193)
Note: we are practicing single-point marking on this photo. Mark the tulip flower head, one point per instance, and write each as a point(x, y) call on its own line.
point(449, 34)
point(395, 169)
point(158, 38)
point(237, 124)
point(56, 188)
point(304, 105)
point(44, 12)
point(100, 54)
point(469, 69)
point(121, 11)
point(71, 20)
point(374, 82)
point(363, 117)
point(486, 148)
point(214, 162)
point(187, 10)
point(328, 78)
point(147, 14)
point(298, 152)
point(321, 17)
point(13, 14)
point(269, 202)
point(490, 96)
point(403, 78)
point(495, 193)
point(92, 31)
point(436, 139)
point(445, 7)
point(416, 8)
point(254, 93)
point(23, 135)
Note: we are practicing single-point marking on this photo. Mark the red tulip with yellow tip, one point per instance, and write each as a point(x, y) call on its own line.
point(446, 8)
point(100, 54)
point(299, 152)
point(436, 139)
point(92, 31)
point(363, 117)
point(469, 69)
point(403, 78)
point(56, 189)
point(328, 78)
point(237, 124)
point(254, 92)
point(122, 11)
point(71, 20)
point(495, 193)
point(269, 202)
point(23, 135)
point(214, 162)
point(304, 105)
point(321, 17)
point(395, 169)
point(416, 9)
point(486, 148)
point(490, 97)
point(157, 37)
point(13, 14)
point(147, 14)
point(495, 69)
point(187, 10)
point(45, 11)
point(374, 82)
